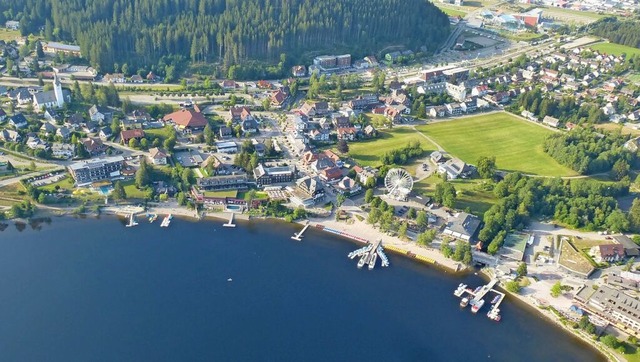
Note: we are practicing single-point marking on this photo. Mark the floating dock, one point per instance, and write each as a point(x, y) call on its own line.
point(230, 224)
point(166, 221)
point(369, 254)
point(475, 297)
point(298, 236)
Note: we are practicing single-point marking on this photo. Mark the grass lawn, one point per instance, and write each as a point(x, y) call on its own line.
point(451, 11)
point(634, 78)
point(523, 36)
point(570, 15)
point(8, 35)
point(615, 49)
point(260, 195)
point(65, 184)
point(132, 191)
point(469, 194)
point(618, 127)
point(228, 193)
point(368, 152)
point(516, 144)
point(162, 133)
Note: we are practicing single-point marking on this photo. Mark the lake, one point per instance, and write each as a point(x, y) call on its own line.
point(91, 289)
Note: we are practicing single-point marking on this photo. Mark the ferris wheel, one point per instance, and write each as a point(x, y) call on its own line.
point(398, 183)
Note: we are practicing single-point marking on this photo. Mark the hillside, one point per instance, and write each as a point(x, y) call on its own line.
point(620, 32)
point(140, 32)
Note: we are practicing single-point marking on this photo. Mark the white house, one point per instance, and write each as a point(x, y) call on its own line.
point(50, 99)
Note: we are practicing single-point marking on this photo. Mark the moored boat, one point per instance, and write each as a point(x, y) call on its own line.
point(496, 299)
point(477, 305)
point(464, 302)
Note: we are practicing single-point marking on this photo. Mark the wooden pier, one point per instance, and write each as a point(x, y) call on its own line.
point(298, 236)
point(230, 224)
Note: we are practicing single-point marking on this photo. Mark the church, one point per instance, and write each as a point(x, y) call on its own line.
point(52, 99)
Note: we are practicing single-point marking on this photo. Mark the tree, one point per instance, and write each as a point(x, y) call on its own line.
point(368, 196)
point(422, 220)
point(446, 249)
point(143, 176)
point(144, 144)
point(371, 182)
point(118, 191)
point(32, 166)
point(209, 136)
point(513, 286)
point(340, 199)
point(556, 290)
point(343, 147)
point(374, 216)
point(402, 230)
point(486, 166)
point(617, 221)
point(115, 125)
point(133, 143)
point(522, 269)
point(620, 169)
point(634, 215)
point(610, 341)
point(266, 104)
point(411, 214)
point(426, 237)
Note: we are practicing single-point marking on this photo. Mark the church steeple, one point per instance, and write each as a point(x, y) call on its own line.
point(57, 88)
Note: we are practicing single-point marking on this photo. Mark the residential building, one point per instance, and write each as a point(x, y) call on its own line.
point(87, 172)
point(225, 132)
point(364, 173)
point(158, 156)
point(631, 249)
point(551, 121)
point(99, 114)
point(105, 133)
point(299, 71)
point(610, 253)
point(365, 101)
point(187, 120)
point(8, 135)
point(347, 133)
point(265, 175)
point(128, 135)
point(63, 150)
point(18, 121)
point(115, 78)
point(348, 185)
point(330, 174)
point(249, 125)
point(239, 113)
point(94, 146)
point(454, 168)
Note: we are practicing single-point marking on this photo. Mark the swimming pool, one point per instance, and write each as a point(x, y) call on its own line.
point(105, 190)
point(234, 207)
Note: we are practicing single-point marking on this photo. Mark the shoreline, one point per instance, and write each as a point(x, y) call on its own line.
point(342, 230)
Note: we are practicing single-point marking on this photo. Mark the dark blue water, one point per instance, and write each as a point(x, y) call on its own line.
point(79, 290)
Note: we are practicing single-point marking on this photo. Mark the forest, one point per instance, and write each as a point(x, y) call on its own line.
point(156, 34)
point(578, 203)
point(588, 152)
point(620, 32)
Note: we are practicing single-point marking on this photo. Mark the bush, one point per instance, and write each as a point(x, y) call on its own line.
point(513, 287)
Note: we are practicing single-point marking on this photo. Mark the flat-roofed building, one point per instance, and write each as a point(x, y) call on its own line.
point(227, 147)
point(611, 304)
point(271, 175)
point(223, 182)
point(99, 169)
point(54, 47)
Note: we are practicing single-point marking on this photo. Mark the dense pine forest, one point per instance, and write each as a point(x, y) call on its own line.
point(141, 32)
point(620, 32)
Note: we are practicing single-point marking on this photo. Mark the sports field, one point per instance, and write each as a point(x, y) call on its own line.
point(368, 152)
point(516, 144)
point(615, 49)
